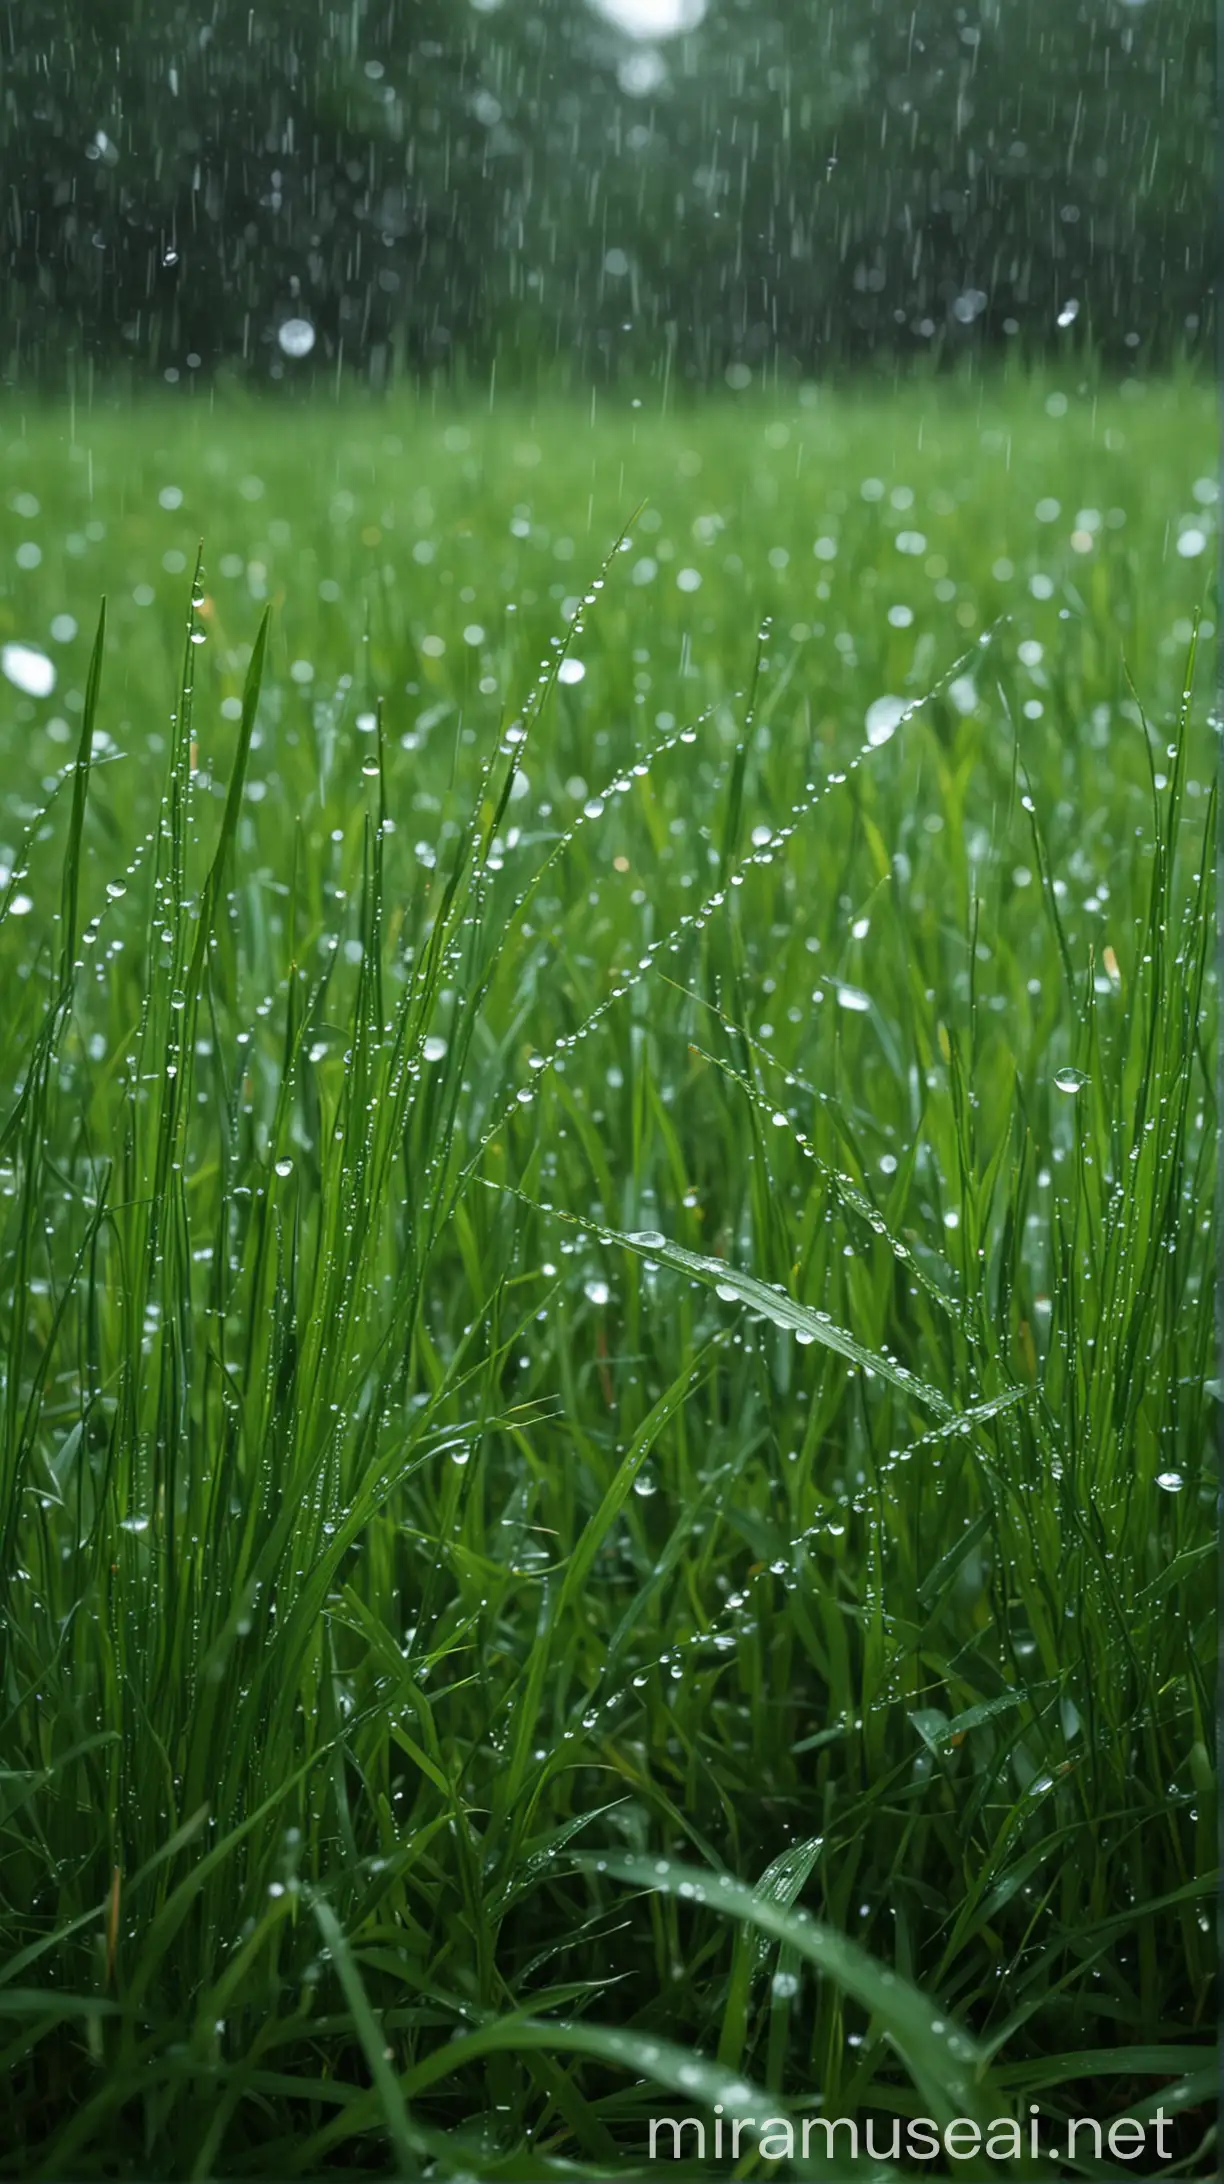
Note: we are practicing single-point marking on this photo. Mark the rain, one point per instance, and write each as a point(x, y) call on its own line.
point(608, 1136)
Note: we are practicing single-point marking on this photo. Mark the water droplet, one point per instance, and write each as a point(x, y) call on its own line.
point(434, 1048)
point(29, 669)
point(284, 1167)
point(296, 337)
point(1070, 1080)
point(883, 718)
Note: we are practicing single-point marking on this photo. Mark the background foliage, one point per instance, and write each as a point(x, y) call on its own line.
point(792, 182)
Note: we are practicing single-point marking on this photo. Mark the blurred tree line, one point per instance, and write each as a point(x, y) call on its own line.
point(474, 184)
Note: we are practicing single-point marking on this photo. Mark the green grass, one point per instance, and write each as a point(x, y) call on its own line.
point(607, 1330)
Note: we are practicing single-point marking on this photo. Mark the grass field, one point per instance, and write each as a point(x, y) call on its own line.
point(606, 1301)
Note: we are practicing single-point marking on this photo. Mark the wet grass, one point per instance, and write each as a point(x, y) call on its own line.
point(606, 1301)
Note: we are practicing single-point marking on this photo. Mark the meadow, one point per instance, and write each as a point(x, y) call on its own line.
point(607, 1165)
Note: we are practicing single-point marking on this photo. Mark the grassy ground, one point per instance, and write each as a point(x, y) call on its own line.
point(605, 1298)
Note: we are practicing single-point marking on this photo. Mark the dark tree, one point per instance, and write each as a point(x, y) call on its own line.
point(427, 181)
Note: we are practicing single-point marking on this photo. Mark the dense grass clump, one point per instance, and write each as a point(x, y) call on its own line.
point(606, 1306)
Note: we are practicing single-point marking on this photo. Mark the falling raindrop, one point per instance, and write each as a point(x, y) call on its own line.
point(296, 337)
point(29, 669)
